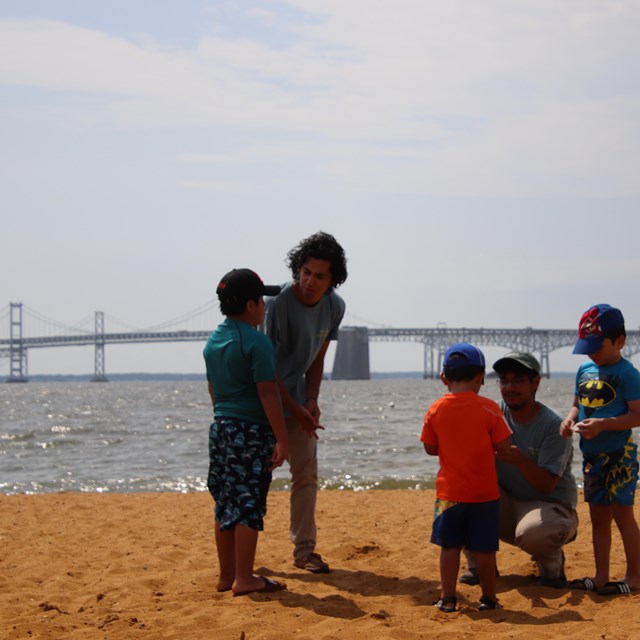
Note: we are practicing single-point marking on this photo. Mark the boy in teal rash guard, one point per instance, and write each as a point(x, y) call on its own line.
point(606, 407)
point(247, 438)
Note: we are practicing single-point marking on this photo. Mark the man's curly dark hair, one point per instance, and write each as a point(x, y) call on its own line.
point(321, 246)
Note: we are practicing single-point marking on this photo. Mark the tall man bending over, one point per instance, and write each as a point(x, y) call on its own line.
point(300, 322)
point(538, 493)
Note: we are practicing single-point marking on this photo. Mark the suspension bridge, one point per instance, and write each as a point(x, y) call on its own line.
point(27, 329)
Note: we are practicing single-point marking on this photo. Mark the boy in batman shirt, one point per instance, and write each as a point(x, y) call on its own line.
point(606, 407)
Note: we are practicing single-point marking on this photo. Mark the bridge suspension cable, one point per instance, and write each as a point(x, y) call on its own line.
point(37, 323)
point(190, 315)
point(353, 319)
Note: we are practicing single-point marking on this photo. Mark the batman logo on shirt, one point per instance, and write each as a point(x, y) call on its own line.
point(596, 393)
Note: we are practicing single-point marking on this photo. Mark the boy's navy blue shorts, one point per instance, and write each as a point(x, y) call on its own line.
point(239, 477)
point(611, 478)
point(474, 525)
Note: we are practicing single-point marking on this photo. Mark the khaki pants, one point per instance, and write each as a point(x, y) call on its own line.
point(539, 528)
point(303, 463)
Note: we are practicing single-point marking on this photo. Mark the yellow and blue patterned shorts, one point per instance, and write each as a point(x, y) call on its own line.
point(611, 478)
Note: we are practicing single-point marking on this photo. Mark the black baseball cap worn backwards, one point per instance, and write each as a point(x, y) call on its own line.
point(241, 285)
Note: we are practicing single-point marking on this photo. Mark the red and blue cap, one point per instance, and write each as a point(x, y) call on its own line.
point(596, 324)
point(463, 354)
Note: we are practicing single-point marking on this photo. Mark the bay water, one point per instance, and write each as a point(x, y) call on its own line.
point(130, 436)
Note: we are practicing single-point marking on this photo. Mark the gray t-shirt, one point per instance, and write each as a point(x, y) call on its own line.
point(298, 333)
point(541, 441)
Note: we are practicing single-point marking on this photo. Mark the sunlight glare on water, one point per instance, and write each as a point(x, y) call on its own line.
point(152, 435)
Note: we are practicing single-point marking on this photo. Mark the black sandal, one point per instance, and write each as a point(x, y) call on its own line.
point(448, 604)
point(487, 604)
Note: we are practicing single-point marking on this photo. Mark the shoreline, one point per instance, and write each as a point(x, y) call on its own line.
point(167, 376)
point(143, 565)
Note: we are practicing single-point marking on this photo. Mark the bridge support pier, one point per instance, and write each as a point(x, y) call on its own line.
point(544, 363)
point(434, 351)
point(98, 371)
point(430, 370)
point(352, 355)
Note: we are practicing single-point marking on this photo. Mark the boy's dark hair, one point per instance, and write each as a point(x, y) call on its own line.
point(321, 246)
point(235, 307)
point(614, 334)
point(462, 373)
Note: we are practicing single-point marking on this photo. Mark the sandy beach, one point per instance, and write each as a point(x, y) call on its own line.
point(120, 566)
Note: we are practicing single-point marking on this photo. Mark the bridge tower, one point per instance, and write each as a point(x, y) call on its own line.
point(351, 361)
point(17, 350)
point(433, 356)
point(98, 371)
point(544, 361)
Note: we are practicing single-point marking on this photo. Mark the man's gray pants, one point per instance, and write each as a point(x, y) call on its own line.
point(303, 463)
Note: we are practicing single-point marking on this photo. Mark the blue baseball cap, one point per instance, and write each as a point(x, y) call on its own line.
point(463, 354)
point(596, 324)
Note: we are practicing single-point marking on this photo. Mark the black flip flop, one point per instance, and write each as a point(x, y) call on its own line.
point(582, 584)
point(614, 588)
point(270, 586)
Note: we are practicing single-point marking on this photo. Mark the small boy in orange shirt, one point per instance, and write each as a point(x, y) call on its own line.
point(465, 430)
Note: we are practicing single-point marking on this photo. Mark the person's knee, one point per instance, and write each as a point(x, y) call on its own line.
point(624, 517)
point(303, 466)
point(305, 476)
point(541, 536)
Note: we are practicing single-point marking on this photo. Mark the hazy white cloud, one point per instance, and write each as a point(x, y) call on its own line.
point(498, 98)
point(503, 128)
point(430, 78)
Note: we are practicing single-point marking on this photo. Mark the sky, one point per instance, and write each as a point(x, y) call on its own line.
point(476, 160)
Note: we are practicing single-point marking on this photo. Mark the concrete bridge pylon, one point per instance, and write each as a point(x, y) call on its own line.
point(351, 361)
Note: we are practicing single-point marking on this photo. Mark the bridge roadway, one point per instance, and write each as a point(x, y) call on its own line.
point(540, 342)
point(108, 338)
point(435, 341)
point(16, 350)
